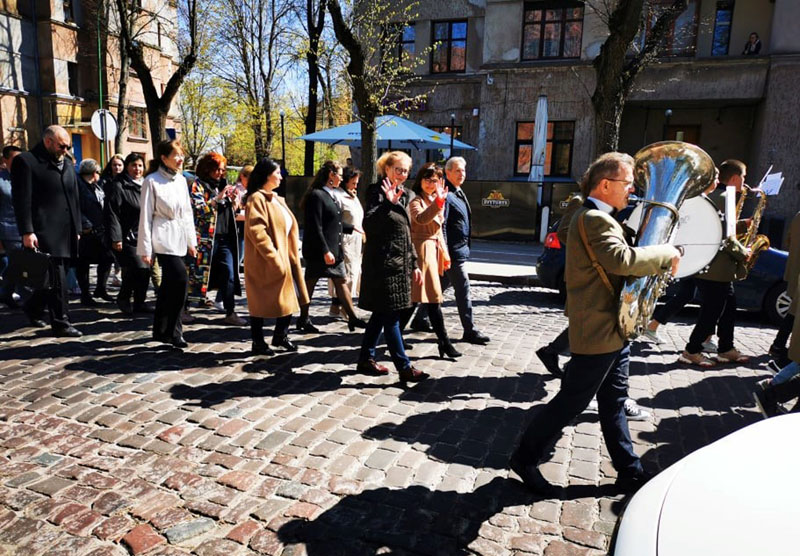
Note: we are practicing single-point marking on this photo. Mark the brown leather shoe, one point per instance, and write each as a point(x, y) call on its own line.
point(372, 367)
point(412, 375)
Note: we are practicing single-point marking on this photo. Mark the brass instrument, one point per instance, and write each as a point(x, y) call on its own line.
point(757, 243)
point(668, 172)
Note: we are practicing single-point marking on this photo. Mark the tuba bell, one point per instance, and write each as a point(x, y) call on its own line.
point(668, 172)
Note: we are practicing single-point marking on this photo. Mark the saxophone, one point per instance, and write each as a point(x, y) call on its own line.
point(669, 172)
point(757, 243)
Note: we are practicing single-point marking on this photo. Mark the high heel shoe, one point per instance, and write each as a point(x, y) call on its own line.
point(446, 348)
point(354, 323)
point(305, 325)
point(412, 375)
point(284, 342)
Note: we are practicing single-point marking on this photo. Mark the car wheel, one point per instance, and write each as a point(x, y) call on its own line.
point(776, 303)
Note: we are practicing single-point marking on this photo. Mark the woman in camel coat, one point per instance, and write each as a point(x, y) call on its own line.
point(273, 276)
point(426, 211)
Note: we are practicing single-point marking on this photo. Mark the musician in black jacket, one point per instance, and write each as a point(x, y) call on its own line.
point(48, 217)
point(122, 224)
point(322, 242)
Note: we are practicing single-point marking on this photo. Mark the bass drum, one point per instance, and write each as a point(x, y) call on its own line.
point(699, 232)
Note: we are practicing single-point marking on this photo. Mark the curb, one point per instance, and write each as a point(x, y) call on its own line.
point(521, 280)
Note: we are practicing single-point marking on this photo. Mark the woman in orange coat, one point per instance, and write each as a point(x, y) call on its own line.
point(426, 211)
point(272, 274)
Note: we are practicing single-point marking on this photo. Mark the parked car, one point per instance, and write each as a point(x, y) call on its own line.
point(763, 290)
point(726, 498)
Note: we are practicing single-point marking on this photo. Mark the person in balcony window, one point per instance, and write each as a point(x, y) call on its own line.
point(753, 45)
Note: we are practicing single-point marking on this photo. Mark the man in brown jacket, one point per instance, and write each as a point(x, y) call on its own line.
point(599, 351)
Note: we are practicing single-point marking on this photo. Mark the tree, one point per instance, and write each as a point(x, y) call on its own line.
point(144, 58)
point(614, 69)
point(204, 104)
point(379, 79)
point(251, 56)
point(315, 22)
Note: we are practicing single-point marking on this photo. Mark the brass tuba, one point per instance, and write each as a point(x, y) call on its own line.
point(668, 172)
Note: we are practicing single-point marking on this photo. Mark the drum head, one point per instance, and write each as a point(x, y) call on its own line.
point(699, 232)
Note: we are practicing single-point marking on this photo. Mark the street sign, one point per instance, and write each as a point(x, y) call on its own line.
point(104, 125)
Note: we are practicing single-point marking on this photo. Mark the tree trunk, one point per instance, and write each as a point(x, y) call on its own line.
point(312, 59)
point(369, 150)
point(122, 98)
point(608, 114)
point(258, 133)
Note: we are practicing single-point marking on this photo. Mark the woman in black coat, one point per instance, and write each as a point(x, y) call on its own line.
point(322, 242)
point(122, 224)
point(388, 266)
point(93, 246)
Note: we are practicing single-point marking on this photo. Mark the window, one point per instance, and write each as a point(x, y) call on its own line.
point(449, 41)
point(406, 48)
point(681, 39)
point(69, 14)
point(137, 122)
point(552, 30)
point(722, 28)
point(435, 155)
point(72, 78)
point(558, 153)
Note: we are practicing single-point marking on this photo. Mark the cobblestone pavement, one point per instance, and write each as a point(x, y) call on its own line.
point(110, 444)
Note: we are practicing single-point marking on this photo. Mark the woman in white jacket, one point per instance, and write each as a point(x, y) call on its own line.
point(166, 231)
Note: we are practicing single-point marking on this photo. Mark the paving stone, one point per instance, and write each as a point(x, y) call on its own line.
point(51, 486)
point(242, 532)
point(185, 531)
point(114, 528)
point(142, 539)
point(218, 547)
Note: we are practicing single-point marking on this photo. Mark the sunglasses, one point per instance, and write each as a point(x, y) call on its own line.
point(64, 147)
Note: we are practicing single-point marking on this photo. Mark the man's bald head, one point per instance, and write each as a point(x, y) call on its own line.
point(57, 141)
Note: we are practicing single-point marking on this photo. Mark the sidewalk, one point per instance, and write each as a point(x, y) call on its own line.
point(504, 262)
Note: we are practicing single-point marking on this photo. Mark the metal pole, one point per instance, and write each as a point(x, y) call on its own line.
point(283, 140)
point(452, 131)
point(100, 66)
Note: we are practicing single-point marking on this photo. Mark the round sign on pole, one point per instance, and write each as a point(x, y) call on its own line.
point(104, 125)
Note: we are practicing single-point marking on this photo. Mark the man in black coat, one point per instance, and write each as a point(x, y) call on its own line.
point(47, 208)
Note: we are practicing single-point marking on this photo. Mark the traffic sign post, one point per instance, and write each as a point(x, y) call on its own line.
point(104, 126)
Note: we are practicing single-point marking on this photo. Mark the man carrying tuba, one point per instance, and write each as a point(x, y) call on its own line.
point(715, 284)
point(598, 260)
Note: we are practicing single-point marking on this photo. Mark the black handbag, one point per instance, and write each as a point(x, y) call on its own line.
point(29, 268)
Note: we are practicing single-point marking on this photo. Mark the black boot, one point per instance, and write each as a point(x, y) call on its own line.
point(446, 348)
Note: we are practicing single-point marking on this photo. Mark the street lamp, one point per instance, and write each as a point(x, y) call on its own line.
point(452, 131)
point(283, 140)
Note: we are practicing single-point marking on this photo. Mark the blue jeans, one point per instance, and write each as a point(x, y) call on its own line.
point(457, 276)
point(222, 261)
point(390, 324)
point(586, 375)
point(7, 289)
point(786, 373)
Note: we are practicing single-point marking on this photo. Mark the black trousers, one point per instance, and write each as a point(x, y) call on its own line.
point(134, 281)
point(784, 331)
point(54, 297)
point(560, 345)
point(257, 328)
point(82, 274)
point(586, 375)
point(171, 294)
point(717, 310)
point(664, 313)
point(434, 311)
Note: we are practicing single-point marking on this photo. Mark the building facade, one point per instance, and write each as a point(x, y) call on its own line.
point(50, 71)
point(487, 61)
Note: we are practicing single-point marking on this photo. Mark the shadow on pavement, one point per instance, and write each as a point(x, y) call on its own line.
point(414, 520)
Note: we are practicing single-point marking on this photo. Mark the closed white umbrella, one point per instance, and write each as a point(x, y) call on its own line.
point(536, 174)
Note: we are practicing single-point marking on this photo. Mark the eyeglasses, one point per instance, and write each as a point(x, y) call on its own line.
point(64, 147)
point(626, 182)
point(400, 170)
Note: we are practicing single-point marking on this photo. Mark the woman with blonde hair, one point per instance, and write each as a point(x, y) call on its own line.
point(427, 217)
point(388, 267)
point(273, 275)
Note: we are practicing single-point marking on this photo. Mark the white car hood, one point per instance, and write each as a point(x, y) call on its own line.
point(737, 496)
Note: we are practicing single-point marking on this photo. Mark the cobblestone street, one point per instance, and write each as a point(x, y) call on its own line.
point(112, 444)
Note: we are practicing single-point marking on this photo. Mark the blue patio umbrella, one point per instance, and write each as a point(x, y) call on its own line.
point(393, 132)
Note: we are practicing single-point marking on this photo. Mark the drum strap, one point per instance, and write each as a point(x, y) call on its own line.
point(597, 266)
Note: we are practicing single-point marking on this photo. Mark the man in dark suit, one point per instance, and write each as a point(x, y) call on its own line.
point(47, 208)
point(598, 260)
point(457, 229)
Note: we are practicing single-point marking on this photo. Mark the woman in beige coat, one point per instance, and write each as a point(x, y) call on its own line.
point(426, 211)
point(272, 274)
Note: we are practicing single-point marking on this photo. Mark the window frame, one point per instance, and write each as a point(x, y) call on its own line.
point(544, 6)
point(722, 6)
point(399, 47)
point(73, 79)
point(552, 142)
point(449, 44)
point(132, 119)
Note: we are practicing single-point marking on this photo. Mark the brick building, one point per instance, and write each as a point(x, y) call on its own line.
point(49, 70)
point(495, 57)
